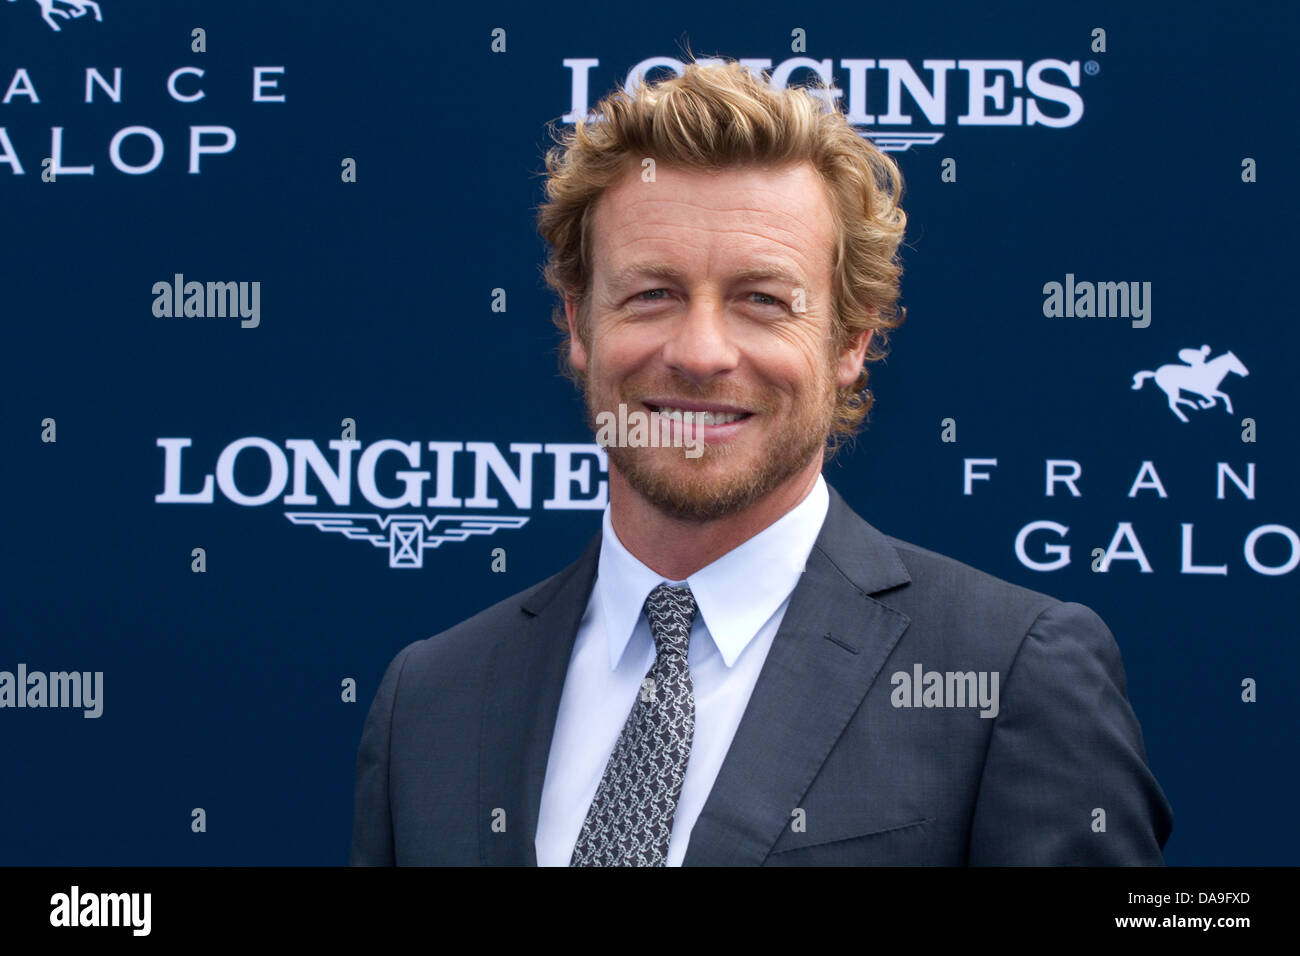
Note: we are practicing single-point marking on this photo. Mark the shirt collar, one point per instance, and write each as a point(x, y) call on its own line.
point(736, 594)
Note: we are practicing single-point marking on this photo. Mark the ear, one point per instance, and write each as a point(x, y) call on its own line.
point(577, 351)
point(851, 359)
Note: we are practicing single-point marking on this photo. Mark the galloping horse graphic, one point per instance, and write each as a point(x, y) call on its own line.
point(1198, 376)
point(75, 8)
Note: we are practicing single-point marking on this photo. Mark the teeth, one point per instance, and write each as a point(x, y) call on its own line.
point(699, 418)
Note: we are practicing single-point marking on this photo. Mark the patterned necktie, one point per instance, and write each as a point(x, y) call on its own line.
point(631, 816)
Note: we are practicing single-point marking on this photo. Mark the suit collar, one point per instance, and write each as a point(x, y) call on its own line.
point(736, 594)
point(831, 646)
point(857, 551)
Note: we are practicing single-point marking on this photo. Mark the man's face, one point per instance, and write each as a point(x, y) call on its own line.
point(711, 292)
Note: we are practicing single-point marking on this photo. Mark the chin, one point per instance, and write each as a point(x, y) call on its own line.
point(709, 488)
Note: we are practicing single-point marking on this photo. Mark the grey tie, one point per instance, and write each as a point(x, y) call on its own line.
point(631, 816)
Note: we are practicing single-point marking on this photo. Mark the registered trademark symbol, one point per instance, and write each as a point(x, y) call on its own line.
point(1092, 68)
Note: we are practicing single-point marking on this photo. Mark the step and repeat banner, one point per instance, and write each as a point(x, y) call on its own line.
point(281, 391)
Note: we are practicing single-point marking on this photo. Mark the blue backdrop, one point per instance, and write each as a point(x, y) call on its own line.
point(410, 302)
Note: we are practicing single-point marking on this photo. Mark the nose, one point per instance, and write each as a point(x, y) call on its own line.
point(700, 345)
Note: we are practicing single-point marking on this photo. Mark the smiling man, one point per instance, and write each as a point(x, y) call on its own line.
point(740, 669)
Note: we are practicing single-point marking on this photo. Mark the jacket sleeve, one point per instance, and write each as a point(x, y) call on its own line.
point(372, 821)
point(1066, 744)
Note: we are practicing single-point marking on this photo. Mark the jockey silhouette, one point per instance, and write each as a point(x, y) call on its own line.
point(1194, 357)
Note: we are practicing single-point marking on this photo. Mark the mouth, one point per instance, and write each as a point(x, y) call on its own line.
point(714, 421)
point(698, 413)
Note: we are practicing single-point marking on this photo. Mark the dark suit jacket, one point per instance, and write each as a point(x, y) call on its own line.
point(455, 746)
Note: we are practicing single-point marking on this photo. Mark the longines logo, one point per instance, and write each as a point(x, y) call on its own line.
point(405, 535)
point(998, 92)
point(65, 9)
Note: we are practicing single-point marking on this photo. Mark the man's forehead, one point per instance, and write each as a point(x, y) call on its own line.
point(764, 223)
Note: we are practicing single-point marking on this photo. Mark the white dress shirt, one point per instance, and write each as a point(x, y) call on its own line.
point(742, 597)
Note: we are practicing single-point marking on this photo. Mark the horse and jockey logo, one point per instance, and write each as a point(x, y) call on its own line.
point(1198, 374)
point(67, 9)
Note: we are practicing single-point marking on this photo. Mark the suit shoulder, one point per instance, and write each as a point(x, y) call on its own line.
point(932, 566)
point(963, 596)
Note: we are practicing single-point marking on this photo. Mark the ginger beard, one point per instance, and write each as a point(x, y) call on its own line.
point(727, 477)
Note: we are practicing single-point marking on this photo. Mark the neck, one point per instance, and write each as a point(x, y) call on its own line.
point(676, 548)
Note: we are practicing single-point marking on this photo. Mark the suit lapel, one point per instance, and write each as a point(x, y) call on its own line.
point(831, 646)
point(521, 698)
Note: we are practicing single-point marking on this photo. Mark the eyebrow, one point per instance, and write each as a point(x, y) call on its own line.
point(660, 270)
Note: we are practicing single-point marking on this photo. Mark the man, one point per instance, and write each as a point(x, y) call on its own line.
point(740, 669)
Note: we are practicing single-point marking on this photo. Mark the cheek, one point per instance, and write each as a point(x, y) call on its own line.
point(800, 366)
point(616, 355)
point(801, 354)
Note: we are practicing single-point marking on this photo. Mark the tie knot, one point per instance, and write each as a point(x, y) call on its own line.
point(671, 611)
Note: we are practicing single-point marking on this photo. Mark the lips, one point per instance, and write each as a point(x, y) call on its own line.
point(689, 417)
point(699, 413)
point(704, 422)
